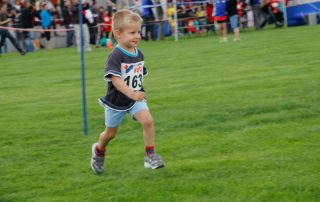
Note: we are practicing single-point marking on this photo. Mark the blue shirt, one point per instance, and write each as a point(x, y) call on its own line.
point(220, 7)
point(254, 2)
point(45, 18)
point(147, 11)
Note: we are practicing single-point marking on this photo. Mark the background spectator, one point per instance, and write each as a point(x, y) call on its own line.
point(16, 23)
point(221, 17)
point(148, 18)
point(233, 18)
point(67, 15)
point(210, 17)
point(4, 33)
point(255, 6)
point(75, 21)
point(45, 24)
point(28, 13)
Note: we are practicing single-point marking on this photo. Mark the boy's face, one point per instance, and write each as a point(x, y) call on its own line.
point(130, 37)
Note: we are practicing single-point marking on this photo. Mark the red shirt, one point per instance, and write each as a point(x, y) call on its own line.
point(107, 22)
point(209, 10)
point(240, 8)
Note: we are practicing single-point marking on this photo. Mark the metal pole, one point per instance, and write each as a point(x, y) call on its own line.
point(175, 21)
point(285, 13)
point(83, 78)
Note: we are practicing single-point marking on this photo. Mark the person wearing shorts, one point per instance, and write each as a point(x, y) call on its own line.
point(124, 72)
point(220, 15)
point(233, 18)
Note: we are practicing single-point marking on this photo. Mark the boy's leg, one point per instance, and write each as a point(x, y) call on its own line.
point(151, 159)
point(106, 136)
point(99, 149)
point(145, 118)
point(112, 121)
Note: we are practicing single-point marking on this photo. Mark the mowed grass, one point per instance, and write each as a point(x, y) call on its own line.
point(234, 122)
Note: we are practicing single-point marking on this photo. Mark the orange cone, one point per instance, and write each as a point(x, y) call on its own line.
point(109, 44)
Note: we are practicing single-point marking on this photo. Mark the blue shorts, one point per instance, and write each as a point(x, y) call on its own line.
point(234, 21)
point(113, 118)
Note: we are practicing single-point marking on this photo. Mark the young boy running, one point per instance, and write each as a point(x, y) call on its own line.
point(124, 72)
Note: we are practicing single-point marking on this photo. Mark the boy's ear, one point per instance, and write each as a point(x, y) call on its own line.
point(116, 34)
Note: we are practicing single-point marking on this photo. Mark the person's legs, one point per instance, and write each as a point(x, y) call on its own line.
point(106, 136)
point(77, 34)
point(223, 31)
point(236, 33)
point(86, 37)
point(235, 27)
point(142, 114)
point(19, 38)
point(29, 39)
point(69, 38)
point(112, 120)
point(145, 118)
point(7, 34)
point(48, 38)
point(1, 40)
point(256, 16)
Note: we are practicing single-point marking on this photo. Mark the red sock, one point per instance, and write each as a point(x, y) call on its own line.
point(149, 150)
point(99, 152)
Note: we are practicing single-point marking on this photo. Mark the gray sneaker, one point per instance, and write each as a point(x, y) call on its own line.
point(96, 161)
point(153, 161)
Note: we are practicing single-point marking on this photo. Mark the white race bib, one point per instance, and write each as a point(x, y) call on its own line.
point(132, 74)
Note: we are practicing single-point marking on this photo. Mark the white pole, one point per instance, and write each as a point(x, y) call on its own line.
point(285, 13)
point(175, 21)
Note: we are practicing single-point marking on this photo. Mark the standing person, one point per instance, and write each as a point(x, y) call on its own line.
point(148, 19)
point(220, 15)
point(107, 21)
point(232, 11)
point(255, 6)
point(67, 15)
point(28, 14)
point(45, 24)
point(52, 8)
point(210, 18)
point(4, 33)
point(124, 72)
point(90, 19)
point(16, 23)
point(76, 23)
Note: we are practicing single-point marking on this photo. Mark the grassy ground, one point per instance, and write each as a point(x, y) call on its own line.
point(234, 122)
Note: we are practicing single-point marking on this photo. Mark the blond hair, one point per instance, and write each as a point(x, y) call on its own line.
point(123, 18)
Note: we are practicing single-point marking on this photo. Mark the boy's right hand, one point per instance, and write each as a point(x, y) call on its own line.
point(138, 96)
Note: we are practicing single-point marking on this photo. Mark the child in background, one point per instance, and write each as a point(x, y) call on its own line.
point(221, 17)
point(124, 72)
point(210, 18)
point(45, 23)
point(170, 13)
point(107, 21)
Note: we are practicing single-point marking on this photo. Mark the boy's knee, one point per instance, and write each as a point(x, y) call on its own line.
point(109, 133)
point(148, 122)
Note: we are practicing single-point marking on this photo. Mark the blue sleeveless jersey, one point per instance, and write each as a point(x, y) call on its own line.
point(220, 7)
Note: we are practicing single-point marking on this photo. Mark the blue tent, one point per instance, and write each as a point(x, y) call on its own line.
point(299, 12)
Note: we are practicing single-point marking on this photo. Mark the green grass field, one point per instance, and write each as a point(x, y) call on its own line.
point(234, 122)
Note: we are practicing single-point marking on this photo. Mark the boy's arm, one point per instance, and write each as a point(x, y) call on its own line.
point(123, 88)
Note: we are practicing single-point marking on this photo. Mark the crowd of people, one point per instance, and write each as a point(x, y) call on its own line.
point(194, 17)
point(24, 17)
